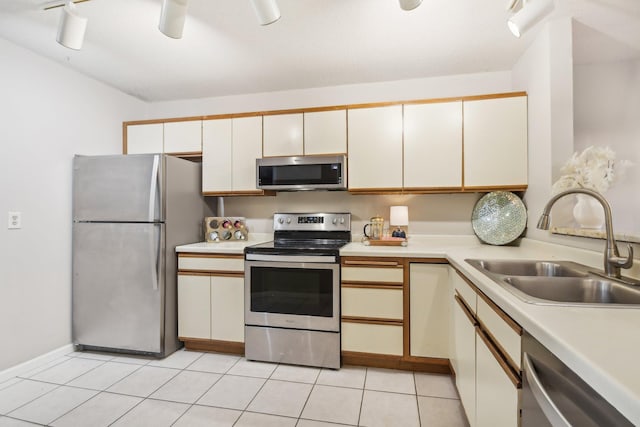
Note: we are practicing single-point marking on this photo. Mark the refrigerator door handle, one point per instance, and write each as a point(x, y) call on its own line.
point(153, 187)
point(156, 246)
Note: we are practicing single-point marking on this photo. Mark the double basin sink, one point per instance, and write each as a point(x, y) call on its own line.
point(558, 283)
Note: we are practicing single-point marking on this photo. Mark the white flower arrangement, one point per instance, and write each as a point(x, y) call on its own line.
point(594, 168)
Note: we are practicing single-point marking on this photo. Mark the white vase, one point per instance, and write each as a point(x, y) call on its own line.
point(588, 212)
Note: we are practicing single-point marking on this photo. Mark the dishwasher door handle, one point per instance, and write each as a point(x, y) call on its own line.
point(548, 407)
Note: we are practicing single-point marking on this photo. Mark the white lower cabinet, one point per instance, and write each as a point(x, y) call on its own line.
point(487, 379)
point(211, 301)
point(463, 358)
point(211, 307)
point(497, 397)
point(429, 312)
point(194, 306)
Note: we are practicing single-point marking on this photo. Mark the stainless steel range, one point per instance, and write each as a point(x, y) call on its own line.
point(292, 290)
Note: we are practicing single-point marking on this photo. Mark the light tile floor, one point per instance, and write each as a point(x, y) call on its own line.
point(206, 389)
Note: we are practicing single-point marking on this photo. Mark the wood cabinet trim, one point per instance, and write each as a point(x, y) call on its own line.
point(372, 320)
point(209, 255)
point(465, 309)
point(426, 261)
point(239, 193)
point(372, 285)
point(504, 316)
point(211, 273)
point(201, 344)
point(326, 108)
point(504, 354)
point(421, 364)
point(506, 367)
point(373, 262)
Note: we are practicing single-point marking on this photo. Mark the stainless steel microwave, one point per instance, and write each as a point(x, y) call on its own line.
point(302, 173)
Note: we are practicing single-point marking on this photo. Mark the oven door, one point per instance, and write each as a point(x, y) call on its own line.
point(292, 292)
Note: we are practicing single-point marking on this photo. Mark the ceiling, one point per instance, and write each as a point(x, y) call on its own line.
point(316, 43)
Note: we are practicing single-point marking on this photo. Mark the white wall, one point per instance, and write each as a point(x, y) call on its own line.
point(428, 214)
point(607, 112)
point(545, 71)
point(49, 113)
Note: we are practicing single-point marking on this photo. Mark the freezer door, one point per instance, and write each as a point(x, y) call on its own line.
point(118, 286)
point(124, 188)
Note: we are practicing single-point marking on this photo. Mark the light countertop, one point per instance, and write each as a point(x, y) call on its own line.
point(601, 345)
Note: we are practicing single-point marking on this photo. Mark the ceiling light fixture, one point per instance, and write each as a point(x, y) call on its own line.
point(71, 27)
point(172, 18)
point(409, 4)
point(531, 12)
point(267, 11)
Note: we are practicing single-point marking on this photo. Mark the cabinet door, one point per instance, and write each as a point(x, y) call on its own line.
point(496, 396)
point(227, 308)
point(433, 145)
point(217, 141)
point(464, 334)
point(325, 132)
point(145, 138)
point(247, 147)
point(495, 142)
point(375, 148)
point(372, 338)
point(194, 309)
point(429, 310)
point(283, 135)
point(183, 137)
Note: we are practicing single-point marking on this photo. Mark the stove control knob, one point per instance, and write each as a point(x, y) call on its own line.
point(341, 220)
point(288, 220)
point(334, 221)
point(281, 220)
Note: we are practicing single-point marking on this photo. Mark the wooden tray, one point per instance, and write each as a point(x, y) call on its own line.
point(386, 242)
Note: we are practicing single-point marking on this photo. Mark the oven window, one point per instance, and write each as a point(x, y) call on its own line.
point(302, 291)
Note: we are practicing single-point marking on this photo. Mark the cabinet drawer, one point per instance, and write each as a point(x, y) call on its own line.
point(465, 290)
point(373, 275)
point(503, 329)
point(210, 263)
point(369, 302)
point(369, 338)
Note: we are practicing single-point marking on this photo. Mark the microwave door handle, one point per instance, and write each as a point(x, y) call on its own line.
point(153, 187)
point(548, 407)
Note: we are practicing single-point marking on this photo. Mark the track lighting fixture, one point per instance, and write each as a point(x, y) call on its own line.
point(172, 18)
point(71, 27)
point(409, 4)
point(531, 12)
point(267, 11)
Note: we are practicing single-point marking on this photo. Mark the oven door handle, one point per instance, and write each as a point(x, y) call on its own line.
point(292, 258)
point(548, 407)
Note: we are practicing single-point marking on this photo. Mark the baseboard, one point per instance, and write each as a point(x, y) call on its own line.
point(32, 364)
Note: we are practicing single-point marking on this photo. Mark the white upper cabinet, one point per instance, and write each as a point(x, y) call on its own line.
point(146, 138)
point(495, 142)
point(283, 135)
point(325, 132)
point(217, 142)
point(433, 145)
point(247, 147)
point(230, 148)
point(183, 137)
point(375, 148)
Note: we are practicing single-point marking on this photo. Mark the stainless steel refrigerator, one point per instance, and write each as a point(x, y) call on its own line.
point(129, 213)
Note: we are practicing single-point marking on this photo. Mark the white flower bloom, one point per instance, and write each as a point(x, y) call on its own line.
point(594, 168)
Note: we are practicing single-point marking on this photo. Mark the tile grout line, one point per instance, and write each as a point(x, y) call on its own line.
point(258, 392)
point(415, 387)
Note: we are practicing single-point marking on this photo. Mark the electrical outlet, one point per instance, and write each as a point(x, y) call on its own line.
point(15, 220)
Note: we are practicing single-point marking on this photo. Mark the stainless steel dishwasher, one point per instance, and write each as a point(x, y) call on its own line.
point(553, 395)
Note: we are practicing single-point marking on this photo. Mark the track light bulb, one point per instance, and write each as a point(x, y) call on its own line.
point(409, 4)
point(172, 17)
point(531, 13)
point(267, 11)
point(71, 27)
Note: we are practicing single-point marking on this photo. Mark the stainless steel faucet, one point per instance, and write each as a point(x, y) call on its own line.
point(613, 262)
